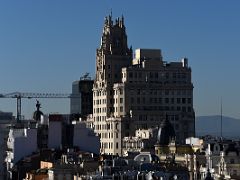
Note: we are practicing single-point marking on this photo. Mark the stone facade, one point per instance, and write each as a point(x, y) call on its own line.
point(131, 94)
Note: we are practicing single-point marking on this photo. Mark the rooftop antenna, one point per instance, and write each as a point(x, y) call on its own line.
point(221, 119)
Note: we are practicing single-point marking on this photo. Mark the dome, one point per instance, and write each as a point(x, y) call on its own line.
point(37, 115)
point(165, 133)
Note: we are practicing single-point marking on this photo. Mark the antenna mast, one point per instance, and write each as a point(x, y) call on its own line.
point(221, 118)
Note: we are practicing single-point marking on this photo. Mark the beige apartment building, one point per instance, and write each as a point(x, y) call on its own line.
point(131, 94)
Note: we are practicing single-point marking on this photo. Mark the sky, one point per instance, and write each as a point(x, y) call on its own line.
point(46, 45)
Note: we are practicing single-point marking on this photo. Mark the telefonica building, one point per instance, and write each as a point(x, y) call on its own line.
point(132, 93)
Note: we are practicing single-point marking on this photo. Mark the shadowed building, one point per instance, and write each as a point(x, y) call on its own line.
point(81, 102)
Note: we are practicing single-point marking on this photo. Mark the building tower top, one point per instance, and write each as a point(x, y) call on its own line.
point(114, 38)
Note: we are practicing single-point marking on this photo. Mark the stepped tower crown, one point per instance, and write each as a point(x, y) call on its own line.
point(114, 38)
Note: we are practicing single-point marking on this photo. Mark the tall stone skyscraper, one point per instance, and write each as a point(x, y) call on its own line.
point(130, 94)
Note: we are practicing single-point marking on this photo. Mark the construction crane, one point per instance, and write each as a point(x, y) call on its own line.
point(20, 95)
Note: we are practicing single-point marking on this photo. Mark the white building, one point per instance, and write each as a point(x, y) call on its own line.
point(21, 142)
point(5, 123)
point(144, 140)
point(54, 134)
point(85, 138)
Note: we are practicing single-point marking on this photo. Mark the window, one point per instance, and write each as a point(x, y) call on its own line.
point(138, 91)
point(121, 100)
point(178, 100)
point(167, 92)
point(130, 75)
point(183, 100)
point(111, 92)
point(166, 100)
point(167, 75)
point(116, 145)
point(127, 126)
point(184, 109)
point(138, 100)
point(116, 126)
point(132, 100)
point(121, 109)
point(135, 75)
point(160, 100)
point(140, 75)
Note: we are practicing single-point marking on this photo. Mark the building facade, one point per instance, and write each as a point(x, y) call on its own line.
point(81, 102)
point(6, 119)
point(131, 94)
point(21, 142)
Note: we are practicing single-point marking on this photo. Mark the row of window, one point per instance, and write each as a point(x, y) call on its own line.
point(104, 109)
point(157, 75)
point(146, 126)
point(144, 100)
point(106, 127)
point(146, 92)
point(155, 100)
point(157, 117)
point(134, 144)
point(100, 110)
point(109, 145)
point(162, 82)
point(99, 93)
point(111, 92)
point(99, 118)
point(150, 108)
point(160, 92)
point(163, 108)
point(108, 135)
point(99, 101)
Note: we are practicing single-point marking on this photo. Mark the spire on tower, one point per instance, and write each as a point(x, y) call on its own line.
point(122, 20)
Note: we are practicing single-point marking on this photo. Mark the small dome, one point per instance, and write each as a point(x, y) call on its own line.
point(37, 115)
point(165, 133)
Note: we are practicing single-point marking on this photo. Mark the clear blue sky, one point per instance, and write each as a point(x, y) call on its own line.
point(46, 45)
